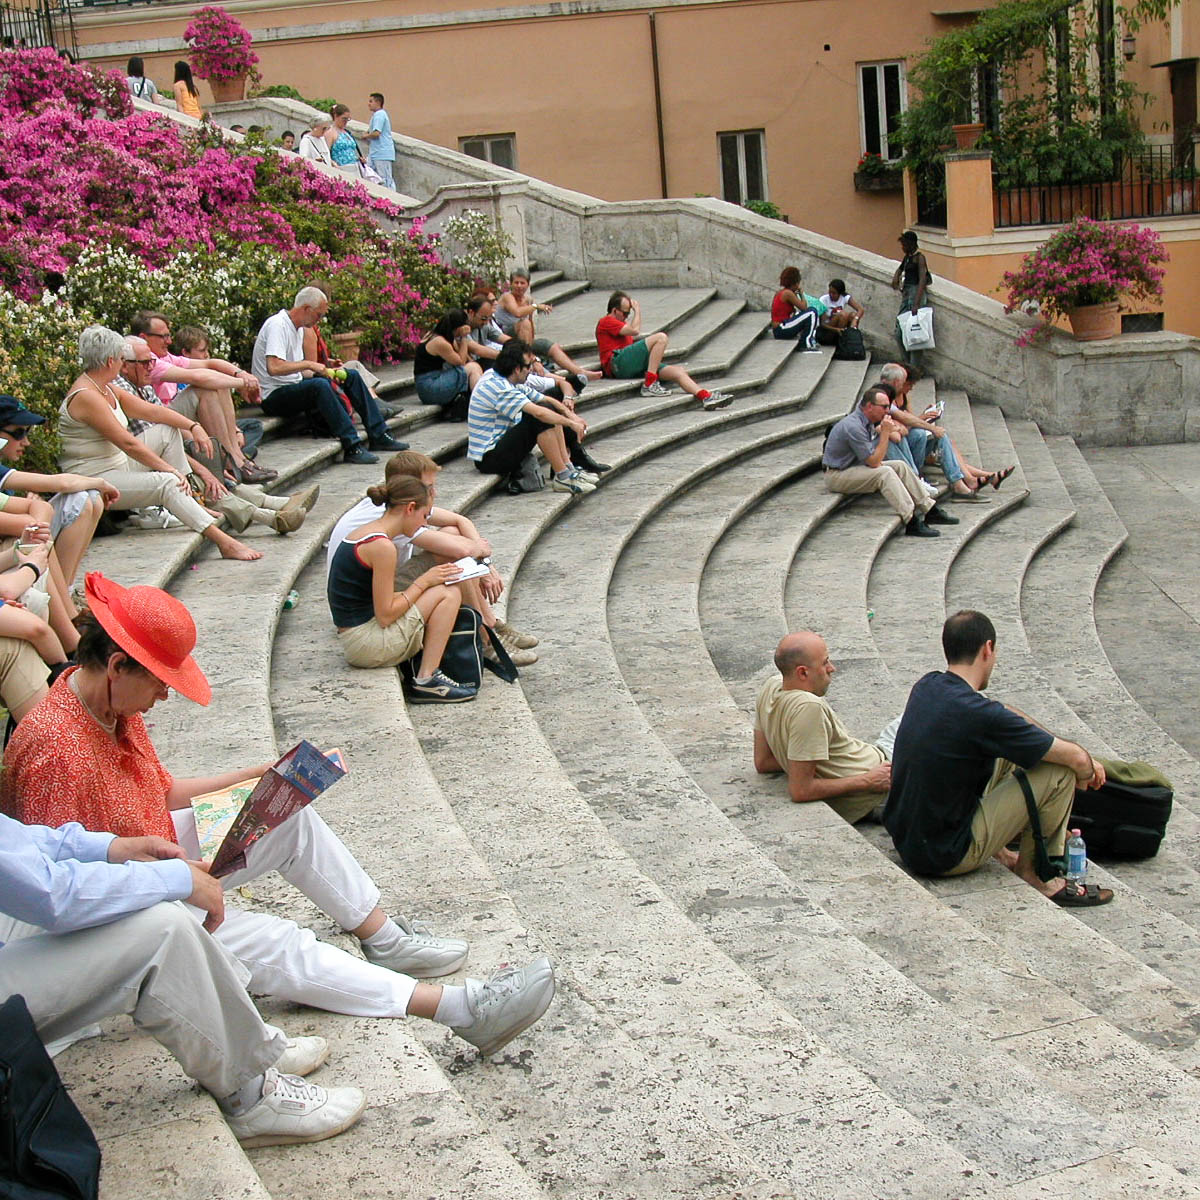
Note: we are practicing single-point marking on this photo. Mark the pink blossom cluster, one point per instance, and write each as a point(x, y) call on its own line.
point(220, 45)
point(1087, 262)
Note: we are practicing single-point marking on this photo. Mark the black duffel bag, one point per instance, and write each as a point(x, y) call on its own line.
point(47, 1149)
point(463, 660)
point(1124, 819)
point(850, 345)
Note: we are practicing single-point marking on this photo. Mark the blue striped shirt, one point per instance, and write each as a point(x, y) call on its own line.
point(496, 406)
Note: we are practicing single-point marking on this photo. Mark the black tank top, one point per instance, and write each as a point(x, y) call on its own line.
point(425, 363)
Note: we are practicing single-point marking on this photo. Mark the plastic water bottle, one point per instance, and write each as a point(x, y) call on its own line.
point(1076, 859)
point(291, 599)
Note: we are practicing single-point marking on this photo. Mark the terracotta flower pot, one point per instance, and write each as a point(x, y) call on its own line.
point(224, 90)
point(967, 135)
point(1092, 322)
point(347, 344)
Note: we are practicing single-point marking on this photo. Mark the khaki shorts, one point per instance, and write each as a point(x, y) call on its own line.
point(185, 403)
point(22, 672)
point(373, 645)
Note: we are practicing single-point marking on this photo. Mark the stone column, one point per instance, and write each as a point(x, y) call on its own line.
point(969, 211)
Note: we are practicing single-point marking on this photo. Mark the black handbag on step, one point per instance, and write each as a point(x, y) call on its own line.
point(463, 660)
point(47, 1149)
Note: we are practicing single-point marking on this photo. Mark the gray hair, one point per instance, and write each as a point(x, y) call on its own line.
point(135, 344)
point(98, 344)
point(310, 297)
point(894, 374)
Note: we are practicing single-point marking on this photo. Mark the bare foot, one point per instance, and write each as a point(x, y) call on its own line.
point(1007, 858)
point(594, 374)
point(240, 551)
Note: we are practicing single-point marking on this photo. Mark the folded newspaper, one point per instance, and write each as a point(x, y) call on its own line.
point(230, 821)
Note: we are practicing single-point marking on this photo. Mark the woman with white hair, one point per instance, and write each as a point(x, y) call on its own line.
point(313, 145)
point(96, 440)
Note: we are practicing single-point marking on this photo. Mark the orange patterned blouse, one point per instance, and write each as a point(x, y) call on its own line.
point(61, 766)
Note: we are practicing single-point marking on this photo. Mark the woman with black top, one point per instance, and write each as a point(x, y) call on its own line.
point(912, 281)
point(443, 370)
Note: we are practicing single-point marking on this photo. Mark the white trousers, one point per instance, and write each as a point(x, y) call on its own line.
point(177, 982)
point(288, 961)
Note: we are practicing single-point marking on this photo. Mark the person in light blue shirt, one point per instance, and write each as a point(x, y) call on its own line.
point(102, 938)
point(382, 150)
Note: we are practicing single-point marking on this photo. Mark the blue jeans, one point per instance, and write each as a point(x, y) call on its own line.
point(295, 399)
point(441, 387)
point(913, 449)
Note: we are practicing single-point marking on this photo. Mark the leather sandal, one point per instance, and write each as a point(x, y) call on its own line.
point(253, 473)
point(1088, 896)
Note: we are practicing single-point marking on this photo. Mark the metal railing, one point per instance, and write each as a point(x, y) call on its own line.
point(1157, 182)
point(37, 23)
point(931, 195)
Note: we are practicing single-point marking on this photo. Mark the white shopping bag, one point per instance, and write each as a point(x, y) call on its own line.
point(916, 330)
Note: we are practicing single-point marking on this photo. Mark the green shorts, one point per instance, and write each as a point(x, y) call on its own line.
point(631, 362)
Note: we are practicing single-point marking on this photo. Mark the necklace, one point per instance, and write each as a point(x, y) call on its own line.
point(100, 389)
point(73, 684)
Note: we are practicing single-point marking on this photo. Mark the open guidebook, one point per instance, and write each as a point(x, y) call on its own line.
point(230, 821)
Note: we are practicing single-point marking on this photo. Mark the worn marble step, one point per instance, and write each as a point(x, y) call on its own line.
point(552, 1100)
point(573, 324)
point(733, 893)
point(149, 1119)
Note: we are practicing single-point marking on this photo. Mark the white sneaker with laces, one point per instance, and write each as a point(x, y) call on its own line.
point(302, 1056)
point(655, 389)
point(294, 1111)
point(573, 484)
point(420, 953)
point(931, 488)
point(506, 1004)
point(587, 476)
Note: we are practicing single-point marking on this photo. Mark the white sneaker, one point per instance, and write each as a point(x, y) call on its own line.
point(931, 488)
point(587, 476)
point(421, 953)
point(655, 389)
point(302, 1056)
point(294, 1111)
point(154, 518)
point(572, 483)
point(717, 400)
point(506, 1004)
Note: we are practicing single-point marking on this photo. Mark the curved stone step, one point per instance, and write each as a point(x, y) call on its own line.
point(553, 1102)
point(741, 900)
point(573, 325)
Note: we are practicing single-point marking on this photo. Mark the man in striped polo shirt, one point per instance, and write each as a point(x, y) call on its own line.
point(504, 424)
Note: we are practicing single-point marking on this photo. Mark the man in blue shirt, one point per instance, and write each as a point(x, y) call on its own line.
point(504, 423)
point(854, 464)
point(108, 940)
point(955, 801)
point(382, 151)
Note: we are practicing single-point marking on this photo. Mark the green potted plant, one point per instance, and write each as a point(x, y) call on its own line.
point(1082, 272)
point(875, 174)
point(221, 53)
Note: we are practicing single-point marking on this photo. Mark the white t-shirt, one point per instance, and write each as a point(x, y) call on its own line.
point(836, 305)
point(280, 339)
point(363, 513)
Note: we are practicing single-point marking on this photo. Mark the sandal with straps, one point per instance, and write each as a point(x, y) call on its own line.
point(1089, 895)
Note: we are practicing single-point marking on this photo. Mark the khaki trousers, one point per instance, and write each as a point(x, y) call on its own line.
point(893, 479)
point(179, 984)
point(1002, 813)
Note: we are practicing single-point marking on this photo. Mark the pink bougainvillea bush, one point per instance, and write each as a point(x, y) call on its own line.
point(220, 46)
point(83, 172)
point(1086, 262)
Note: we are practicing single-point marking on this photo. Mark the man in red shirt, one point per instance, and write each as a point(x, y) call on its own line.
point(626, 353)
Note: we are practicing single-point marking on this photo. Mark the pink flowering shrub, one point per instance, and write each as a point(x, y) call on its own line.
point(220, 46)
point(139, 183)
point(1086, 262)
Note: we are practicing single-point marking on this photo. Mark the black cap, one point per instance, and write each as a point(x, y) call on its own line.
point(13, 412)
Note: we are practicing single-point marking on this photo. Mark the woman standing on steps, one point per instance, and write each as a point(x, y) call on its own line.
point(343, 149)
point(187, 99)
point(378, 626)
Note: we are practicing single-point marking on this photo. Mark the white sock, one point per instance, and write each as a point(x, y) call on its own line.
point(452, 1008)
point(245, 1098)
point(386, 938)
point(565, 473)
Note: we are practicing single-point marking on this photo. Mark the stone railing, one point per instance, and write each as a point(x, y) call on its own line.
point(1140, 388)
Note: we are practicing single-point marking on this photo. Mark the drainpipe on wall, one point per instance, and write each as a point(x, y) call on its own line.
point(658, 117)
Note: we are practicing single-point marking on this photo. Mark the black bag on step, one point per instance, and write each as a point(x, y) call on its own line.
point(1122, 820)
point(47, 1149)
point(850, 346)
point(463, 660)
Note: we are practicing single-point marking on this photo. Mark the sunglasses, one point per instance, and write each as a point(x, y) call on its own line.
point(16, 435)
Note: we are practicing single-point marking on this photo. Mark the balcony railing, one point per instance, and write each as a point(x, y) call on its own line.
point(1159, 182)
point(37, 23)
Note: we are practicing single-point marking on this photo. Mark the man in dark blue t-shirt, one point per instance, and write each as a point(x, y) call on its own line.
point(954, 801)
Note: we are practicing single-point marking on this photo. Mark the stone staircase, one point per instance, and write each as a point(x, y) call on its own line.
point(756, 1000)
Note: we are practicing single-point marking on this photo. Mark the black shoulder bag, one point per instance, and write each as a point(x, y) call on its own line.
point(47, 1149)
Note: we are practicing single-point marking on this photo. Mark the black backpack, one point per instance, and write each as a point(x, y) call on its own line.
point(850, 345)
point(463, 659)
point(1122, 820)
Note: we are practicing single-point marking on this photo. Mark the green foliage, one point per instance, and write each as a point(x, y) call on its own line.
point(478, 247)
point(1030, 66)
point(37, 364)
point(284, 91)
point(764, 208)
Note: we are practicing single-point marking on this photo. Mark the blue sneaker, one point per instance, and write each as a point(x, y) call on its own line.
point(439, 689)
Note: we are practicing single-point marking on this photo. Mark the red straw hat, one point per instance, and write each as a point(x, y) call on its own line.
point(153, 628)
